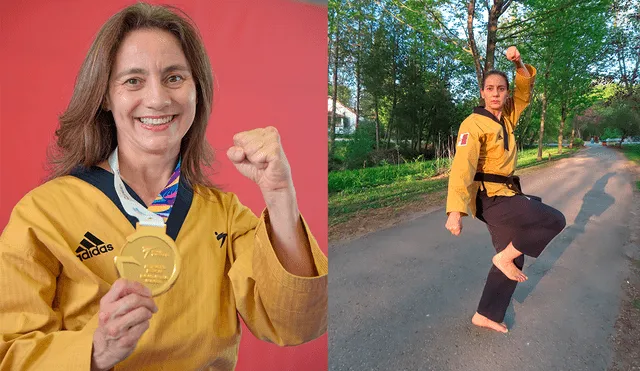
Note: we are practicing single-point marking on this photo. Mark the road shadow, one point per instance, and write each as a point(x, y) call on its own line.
point(400, 311)
point(594, 203)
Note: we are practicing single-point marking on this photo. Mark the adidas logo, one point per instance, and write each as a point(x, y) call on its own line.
point(91, 246)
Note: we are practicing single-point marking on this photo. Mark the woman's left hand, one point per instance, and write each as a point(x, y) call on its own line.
point(258, 155)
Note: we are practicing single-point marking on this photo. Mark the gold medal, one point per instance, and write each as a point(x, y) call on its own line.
point(149, 257)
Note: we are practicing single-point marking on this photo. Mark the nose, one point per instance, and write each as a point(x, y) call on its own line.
point(157, 96)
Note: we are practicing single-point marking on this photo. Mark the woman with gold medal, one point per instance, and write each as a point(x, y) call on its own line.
point(166, 261)
point(482, 184)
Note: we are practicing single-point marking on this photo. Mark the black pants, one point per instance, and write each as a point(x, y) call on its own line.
point(530, 225)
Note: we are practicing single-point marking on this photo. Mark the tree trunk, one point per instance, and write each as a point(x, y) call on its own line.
point(397, 135)
point(377, 123)
point(527, 128)
point(358, 73)
point(471, 9)
point(573, 133)
point(492, 27)
point(336, 57)
point(392, 116)
point(358, 93)
point(388, 132)
point(563, 117)
point(543, 98)
point(393, 92)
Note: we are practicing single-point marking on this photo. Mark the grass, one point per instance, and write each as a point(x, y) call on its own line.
point(632, 151)
point(356, 180)
point(529, 157)
point(351, 191)
point(344, 204)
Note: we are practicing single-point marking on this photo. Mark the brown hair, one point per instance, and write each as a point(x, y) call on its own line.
point(495, 72)
point(87, 132)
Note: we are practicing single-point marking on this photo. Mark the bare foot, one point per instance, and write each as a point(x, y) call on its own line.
point(507, 267)
point(482, 321)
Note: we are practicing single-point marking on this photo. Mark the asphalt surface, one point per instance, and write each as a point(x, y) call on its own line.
point(402, 298)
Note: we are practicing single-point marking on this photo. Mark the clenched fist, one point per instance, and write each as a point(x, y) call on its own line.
point(454, 223)
point(513, 54)
point(258, 155)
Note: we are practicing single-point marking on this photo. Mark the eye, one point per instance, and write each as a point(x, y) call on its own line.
point(132, 81)
point(175, 78)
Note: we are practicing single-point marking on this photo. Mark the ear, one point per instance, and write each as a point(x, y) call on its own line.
point(106, 105)
point(482, 93)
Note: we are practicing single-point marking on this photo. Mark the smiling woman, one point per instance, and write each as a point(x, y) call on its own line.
point(128, 257)
point(130, 61)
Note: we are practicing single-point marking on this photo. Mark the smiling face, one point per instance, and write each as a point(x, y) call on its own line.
point(495, 92)
point(152, 94)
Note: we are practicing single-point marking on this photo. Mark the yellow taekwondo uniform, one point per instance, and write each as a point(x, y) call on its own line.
point(481, 148)
point(57, 262)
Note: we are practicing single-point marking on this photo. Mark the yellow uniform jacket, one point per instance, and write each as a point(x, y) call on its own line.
point(56, 263)
point(481, 148)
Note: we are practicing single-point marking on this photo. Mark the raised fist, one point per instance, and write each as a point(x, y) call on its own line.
point(513, 54)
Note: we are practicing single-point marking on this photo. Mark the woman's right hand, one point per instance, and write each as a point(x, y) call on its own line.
point(513, 54)
point(454, 223)
point(125, 311)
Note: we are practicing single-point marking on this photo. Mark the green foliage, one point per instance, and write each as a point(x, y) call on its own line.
point(622, 117)
point(610, 132)
point(381, 175)
point(409, 63)
point(336, 161)
point(344, 94)
point(578, 142)
point(358, 149)
point(361, 179)
point(391, 185)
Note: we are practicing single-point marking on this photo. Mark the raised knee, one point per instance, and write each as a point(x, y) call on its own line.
point(560, 222)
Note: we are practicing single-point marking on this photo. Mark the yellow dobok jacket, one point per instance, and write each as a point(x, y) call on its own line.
point(56, 263)
point(480, 148)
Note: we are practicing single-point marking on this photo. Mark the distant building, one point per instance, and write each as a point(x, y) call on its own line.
point(345, 118)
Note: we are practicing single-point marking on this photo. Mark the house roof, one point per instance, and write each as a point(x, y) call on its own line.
point(342, 105)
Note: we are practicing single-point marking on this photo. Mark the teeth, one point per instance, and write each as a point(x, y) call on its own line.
point(161, 121)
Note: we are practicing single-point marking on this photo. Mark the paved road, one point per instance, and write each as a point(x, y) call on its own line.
point(402, 298)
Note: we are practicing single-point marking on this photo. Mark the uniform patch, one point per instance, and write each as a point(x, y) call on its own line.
point(464, 138)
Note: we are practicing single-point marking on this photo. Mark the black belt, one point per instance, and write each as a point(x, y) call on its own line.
point(512, 182)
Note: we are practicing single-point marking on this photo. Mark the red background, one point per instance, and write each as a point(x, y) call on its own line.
point(269, 59)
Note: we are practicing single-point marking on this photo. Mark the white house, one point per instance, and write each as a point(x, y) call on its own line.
point(346, 118)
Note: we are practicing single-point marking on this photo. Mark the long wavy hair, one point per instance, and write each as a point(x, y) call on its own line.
point(87, 132)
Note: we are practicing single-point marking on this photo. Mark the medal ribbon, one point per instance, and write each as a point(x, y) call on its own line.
point(131, 206)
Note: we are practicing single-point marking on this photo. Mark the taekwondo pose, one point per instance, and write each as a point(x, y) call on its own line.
point(482, 184)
